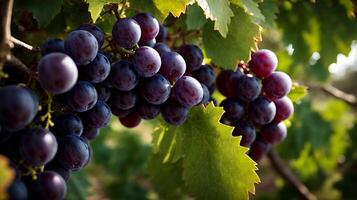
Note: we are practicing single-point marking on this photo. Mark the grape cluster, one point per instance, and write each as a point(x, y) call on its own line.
point(45, 129)
point(256, 103)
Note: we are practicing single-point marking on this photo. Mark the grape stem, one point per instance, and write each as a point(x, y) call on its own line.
point(48, 116)
point(286, 173)
point(130, 52)
point(23, 44)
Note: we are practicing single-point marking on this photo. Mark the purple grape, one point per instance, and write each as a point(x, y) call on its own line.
point(226, 80)
point(73, 152)
point(234, 110)
point(17, 191)
point(37, 146)
point(174, 113)
point(161, 48)
point(123, 100)
point(126, 32)
point(193, 56)
point(147, 111)
point(284, 109)
point(95, 31)
point(263, 63)
point(82, 97)
point(150, 43)
point(48, 186)
point(156, 89)
point(103, 92)
point(173, 66)
point(188, 91)
point(248, 88)
point(277, 85)
point(17, 107)
point(123, 76)
point(149, 26)
point(205, 75)
point(97, 70)
point(51, 46)
point(258, 149)
point(99, 116)
point(57, 73)
point(146, 61)
point(225, 119)
point(66, 124)
point(161, 37)
point(261, 111)
point(55, 167)
point(212, 88)
point(90, 133)
point(119, 112)
point(82, 46)
point(273, 133)
point(206, 95)
point(247, 131)
point(131, 120)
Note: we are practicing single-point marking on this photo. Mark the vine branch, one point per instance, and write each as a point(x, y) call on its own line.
point(285, 172)
point(5, 30)
point(23, 44)
point(337, 93)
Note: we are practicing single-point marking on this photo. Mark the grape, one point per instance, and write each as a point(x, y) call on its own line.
point(284, 109)
point(51, 46)
point(90, 133)
point(17, 107)
point(99, 116)
point(123, 100)
point(55, 167)
point(206, 95)
point(161, 37)
point(147, 111)
point(234, 110)
point(123, 76)
point(82, 46)
point(17, 191)
point(126, 32)
point(149, 26)
point(48, 186)
point(277, 85)
point(263, 63)
point(205, 75)
point(73, 152)
point(150, 43)
point(57, 73)
point(261, 111)
point(97, 70)
point(193, 56)
point(131, 120)
point(173, 66)
point(258, 149)
point(212, 88)
point(119, 112)
point(82, 96)
point(146, 61)
point(156, 89)
point(226, 82)
point(37, 146)
point(188, 91)
point(273, 133)
point(247, 131)
point(248, 88)
point(225, 119)
point(103, 92)
point(95, 31)
point(174, 113)
point(66, 124)
point(161, 48)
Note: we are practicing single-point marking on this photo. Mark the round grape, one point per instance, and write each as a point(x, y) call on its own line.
point(146, 61)
point(206, 95)
point(66, 124)
point(17, 191)
point(193, 56)
point(99, 116)
point(273, 133)
point(119, 112)
point(234, 110)
point(161, 48)
point(90, 133)
point(277, 85)
point(284, 109)
point(174, 113)
point(258, 149)
point(55, 167)
point(51, 46)
point(97, 70)
point(205, 75)
point(131, 120)
point(150, 43)
point(247, 131)
point(263, 63)
point(123, 100)
point(226, 82)
point(248, 88)
point(156, 89)
point(188, 91)
point(103, 92)
point(161, 37)
point(148, 111)
point(126, 32)
point(123, 76)
point(261, 111)
point(95, 31)
point(82, 97)
point(149, 26)
point(173, 66)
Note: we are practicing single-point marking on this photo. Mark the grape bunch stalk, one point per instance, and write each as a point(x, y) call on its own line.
point(47, 123)
point(256, 103)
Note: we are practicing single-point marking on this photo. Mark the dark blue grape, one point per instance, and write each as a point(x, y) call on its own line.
point(55, 167)
point(206, 95)
point(82, 97)
point(90, 133)
point(123, 76)
point(205, 75)
point(123, 100)
point(95, 31)
point(99, 116)
point(131, 120)
point(234, 110)
point(82, 46)
point(147, 111)
point(51, 46)
point(188, 91)
point(103, 92)
point(150, 43)
point(57, 73)
point(173, 66)
point(226, 82)
point(174, 113)
point(258, 149)
point(146, 61)
point(97, 70)
point(247, 131)
point(126, 32)
point(192, 55)
point(248, 88)
point(261, 111)
point(161, 37)
point(66, 124)
point(156, 89)
point(149, 26)
point(17, 191)
point(161, 48)
point(118, 112)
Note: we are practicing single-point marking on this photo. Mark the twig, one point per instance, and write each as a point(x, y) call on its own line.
point(5, 30)
point(23, 44)
point(285, 172)
point(335, 92)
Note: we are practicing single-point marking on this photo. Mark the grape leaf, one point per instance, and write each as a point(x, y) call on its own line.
point(241, 39)
point(147, 6)
point(297, 92)
point(6, 176)
point(95, 7)
point(269, 9)
point(176, 7)
point(195, 18)
point(42, 12)
point(218, 11)
point(251, 7)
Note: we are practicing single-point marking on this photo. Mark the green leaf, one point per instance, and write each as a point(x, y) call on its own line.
point(176, 7)
point(7, 175)
point(269, 9)
point(251, 7)
point(147, 6)
point(241, 39)
point(95, 7)
point(218, 11)
point(297, 92)
point(42, 12)
point(195, 18)
point(78, 186)
point(76, 13)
